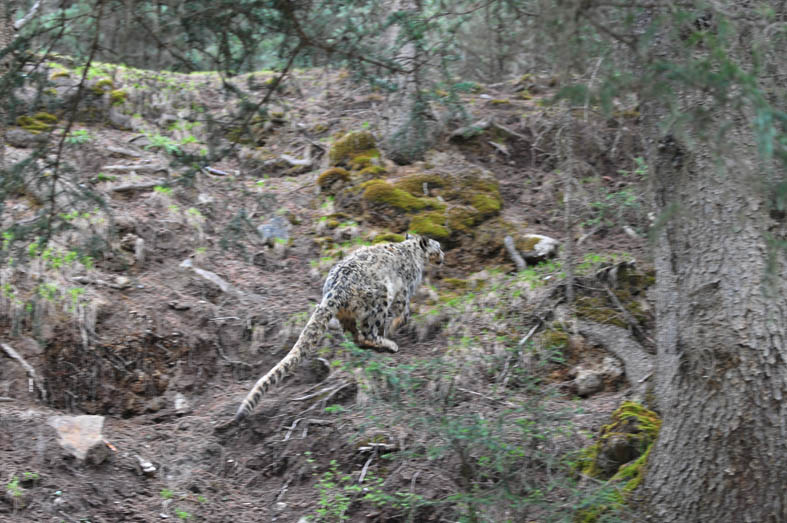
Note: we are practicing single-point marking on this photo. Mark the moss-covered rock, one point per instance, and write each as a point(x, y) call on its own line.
point(361, 162)
point(60, 73)
point(388, 237)
point(430, 224)
point(486, 204)
point(103, 85)
point(382, 193)
point(461, 218)
point(373, 171)
point(620, 454)
point(414, 183)
point(45, 117)
point(39, 122)
point(351, 146)
point(328, 180)
point(118, 96)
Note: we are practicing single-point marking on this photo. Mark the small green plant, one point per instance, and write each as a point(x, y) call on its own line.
point(182, 514)
point(13, 488)
point(78, 137)
point(334, 501)
point(166, 493)
point(48, 291)
point(75, 293)
point(162, 190)
point(194, 213)
point(8, 237)
point(159, 141)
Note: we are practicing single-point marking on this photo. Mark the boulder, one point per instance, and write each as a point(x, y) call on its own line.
point(80, 437)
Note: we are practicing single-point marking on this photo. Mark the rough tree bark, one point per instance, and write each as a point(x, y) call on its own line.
point(721, 372)
point(409, 132)
point(6, 37)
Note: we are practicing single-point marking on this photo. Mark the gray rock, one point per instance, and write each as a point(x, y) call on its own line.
point(118, 120)
point(24, 139)
point(543, 249)
point(182, 404)
point(80, 436)
point(588, 381)
point(276, 227)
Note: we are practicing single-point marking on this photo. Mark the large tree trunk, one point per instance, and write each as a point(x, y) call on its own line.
point(409, 132)
point(6, 37)
point(721, 377)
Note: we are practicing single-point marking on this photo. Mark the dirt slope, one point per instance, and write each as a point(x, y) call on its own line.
point(165, 353)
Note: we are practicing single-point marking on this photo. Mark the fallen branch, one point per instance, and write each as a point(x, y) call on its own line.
point(215, 172)
point(365, 468)
point(308, 421)
point(31, 372)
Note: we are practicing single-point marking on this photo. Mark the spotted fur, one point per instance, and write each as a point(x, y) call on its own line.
point(369, 292)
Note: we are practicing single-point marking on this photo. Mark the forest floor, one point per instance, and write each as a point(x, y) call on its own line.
point(171, 354)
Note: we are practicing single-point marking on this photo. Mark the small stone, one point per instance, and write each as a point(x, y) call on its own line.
point(588, 382)
point(275, 228)
point(181, 404)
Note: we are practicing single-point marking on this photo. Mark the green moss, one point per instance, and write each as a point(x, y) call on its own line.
point(596, 309)
point(61, 73)
point(34, 124)
point(486, 204)
point(554, 338)
point(500, 101)
point(103, 85)
point(461, 219)
point(414, 183)
point(238, 135)
point(45, 117)
point(372, 171)
point(455, 284)
point(431, 224)
point(352, 145)
point(383, 193)
point(388, 237)
point(118, 96)
point(527, 243)
point(360, 162)
point(327, 178)
point(637, 424)
point(640, 426)
point(601, 309)
point(319, 128)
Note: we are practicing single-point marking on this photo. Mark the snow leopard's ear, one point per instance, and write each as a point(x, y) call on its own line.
point(423, 242)
point(408, 236)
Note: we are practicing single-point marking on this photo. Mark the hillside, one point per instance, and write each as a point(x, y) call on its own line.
point(163, 295)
